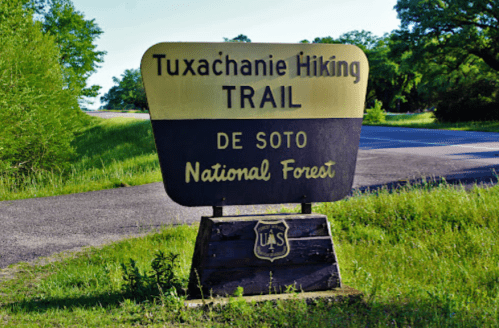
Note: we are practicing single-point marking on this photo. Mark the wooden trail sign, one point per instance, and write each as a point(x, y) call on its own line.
point(238, 123)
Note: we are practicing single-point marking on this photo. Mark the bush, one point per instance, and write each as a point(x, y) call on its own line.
point(376, 114)
point(475, 101)
point(38, 116)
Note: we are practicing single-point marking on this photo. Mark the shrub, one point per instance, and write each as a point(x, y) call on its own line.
point(38, 116)
point(472, 101)
point(376, 114)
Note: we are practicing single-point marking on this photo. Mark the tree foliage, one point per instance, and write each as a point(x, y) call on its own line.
point(452, 29)
point(128, 93)
point(390, 80)
point(38, 115)
point(365, 40)
point(75, 37)
point(455, 46)
point(239, 38)
point(445, 55)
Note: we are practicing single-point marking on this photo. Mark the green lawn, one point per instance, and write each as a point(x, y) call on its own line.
point(424, 256)
point(427, 121)
point(125, 111)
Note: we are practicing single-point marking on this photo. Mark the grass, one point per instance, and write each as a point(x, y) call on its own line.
point(111, 153)
point(427, 121)
point(424, 256)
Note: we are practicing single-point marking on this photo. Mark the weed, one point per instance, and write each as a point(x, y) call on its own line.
point(163, 273)
point(161, 279)
point(134, 281)
point(290, 289)
point(270, 282)
point(376, 114)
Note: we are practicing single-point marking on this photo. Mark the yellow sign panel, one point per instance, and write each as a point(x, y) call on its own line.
point(254, 81)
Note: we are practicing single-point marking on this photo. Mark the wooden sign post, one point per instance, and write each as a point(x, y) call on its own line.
point(239, 124)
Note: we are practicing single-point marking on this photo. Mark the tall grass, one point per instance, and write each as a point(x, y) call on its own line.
point(111, 153)
point(424, 256)
point(434, 249)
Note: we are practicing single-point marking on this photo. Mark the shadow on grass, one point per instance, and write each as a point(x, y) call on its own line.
point(483, 176)
point(105, 144)
point(399, 313)
point(407, 313)
point(417, 313)
point(494, 154)
point(104, 300)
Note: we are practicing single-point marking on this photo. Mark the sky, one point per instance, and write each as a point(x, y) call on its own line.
point(131, 27)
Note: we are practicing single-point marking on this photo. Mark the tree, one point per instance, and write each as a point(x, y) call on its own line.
point(75, 37)
point(239, 38)
point(363, 39)
point(469, 92)
point(38, 115)
point(327, 40)
point(455, 46)
point(452, 29)
point(128, 93)
point(389, 81)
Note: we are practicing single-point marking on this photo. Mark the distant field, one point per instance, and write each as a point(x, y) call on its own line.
point(427, 121)
point(134, 111)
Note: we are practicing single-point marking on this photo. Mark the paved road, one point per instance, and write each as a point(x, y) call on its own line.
point(387, 155)
point(44, 226)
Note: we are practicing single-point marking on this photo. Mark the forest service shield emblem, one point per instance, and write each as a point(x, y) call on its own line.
point(271, 241)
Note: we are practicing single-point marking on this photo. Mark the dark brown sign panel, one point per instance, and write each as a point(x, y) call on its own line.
point(242, 124)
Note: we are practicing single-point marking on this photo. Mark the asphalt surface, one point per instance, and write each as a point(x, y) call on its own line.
point(41, 227)
point(394, 155)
